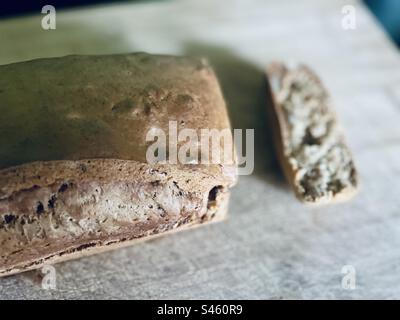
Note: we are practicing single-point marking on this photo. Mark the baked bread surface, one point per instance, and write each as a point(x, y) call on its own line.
point(83, 107)
point(73, 173)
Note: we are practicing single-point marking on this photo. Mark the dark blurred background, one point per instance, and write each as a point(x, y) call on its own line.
point(386, 11)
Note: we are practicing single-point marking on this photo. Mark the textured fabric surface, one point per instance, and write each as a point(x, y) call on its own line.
point(271, 246)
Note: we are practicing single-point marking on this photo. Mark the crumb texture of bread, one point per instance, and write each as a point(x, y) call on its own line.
point(316, 159)
point(93, 203)
point(73, 173)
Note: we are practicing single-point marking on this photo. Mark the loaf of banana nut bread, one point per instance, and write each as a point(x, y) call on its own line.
point(74, 179)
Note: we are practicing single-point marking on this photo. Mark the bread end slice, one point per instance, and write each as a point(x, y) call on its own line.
point(309, 140)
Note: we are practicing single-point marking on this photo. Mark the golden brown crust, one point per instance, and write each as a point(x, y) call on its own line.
point(78, 101)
